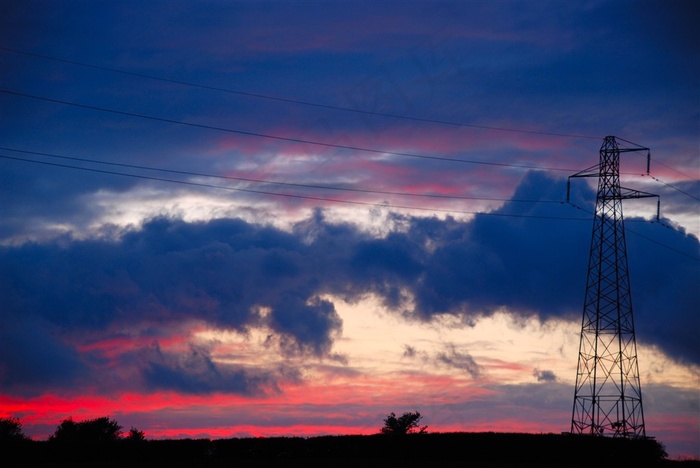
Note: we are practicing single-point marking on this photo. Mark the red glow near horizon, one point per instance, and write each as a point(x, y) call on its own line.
point(49, 410)
point(168, 415)
point(243, 431)
point(296, 402)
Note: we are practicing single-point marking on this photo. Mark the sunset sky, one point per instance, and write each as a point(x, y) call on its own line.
point(233, 219)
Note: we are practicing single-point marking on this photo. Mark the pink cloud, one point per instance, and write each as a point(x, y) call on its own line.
point(116, 346)
point(307, 164)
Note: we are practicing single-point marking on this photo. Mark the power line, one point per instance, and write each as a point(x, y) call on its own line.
point(675, 170)
point(295, 101)
point(627, 229)
point(333, 107)
point(334, 200)
point(351, 202)
point(281, 138)
point(271, 182)
point(289, 195)
point(640, 147)
point(311, 142)
point(662, 244)
point(674, 187)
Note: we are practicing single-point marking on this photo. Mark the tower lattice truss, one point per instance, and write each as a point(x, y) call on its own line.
point(608, 395)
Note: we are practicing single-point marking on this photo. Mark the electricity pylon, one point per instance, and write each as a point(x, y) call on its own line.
point(608, 394)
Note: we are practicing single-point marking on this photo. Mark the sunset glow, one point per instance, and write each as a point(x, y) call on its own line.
point(257, 219)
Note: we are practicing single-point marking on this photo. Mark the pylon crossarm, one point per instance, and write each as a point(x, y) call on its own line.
point(592, 171)
point(626, 193)
point(636, 150)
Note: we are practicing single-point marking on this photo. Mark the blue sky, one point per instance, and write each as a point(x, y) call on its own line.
point(278, 210)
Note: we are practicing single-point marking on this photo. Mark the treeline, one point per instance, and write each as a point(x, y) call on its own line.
point(104, 429)
point(98, 439)
point(80, 444)
point(90, 430)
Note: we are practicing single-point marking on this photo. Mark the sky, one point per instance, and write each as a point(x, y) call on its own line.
point(235, 219)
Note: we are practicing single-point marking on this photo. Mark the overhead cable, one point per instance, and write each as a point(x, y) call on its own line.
point(335, 200)
point(277, 137)
point(289, 195)
point(296, 101)
point(272, 182)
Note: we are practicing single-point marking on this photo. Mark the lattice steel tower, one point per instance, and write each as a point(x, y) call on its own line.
point(608, 395)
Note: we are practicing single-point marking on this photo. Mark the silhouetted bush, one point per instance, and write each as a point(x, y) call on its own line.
point(11, 430)
point(407, 423)
point(14, 444)
point(89, 440)
point(90, 431)
point(135, 435)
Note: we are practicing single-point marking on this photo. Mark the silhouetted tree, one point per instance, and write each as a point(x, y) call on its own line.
point(92, 430)
point(11, 430)
point(135, 435)
point(407, 423)
point(67, 431)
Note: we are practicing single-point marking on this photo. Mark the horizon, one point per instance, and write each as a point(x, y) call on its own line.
point(417, 448)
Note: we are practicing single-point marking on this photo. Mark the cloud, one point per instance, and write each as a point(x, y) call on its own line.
point(459, 360)
point(34, 357)
point(409, 351)
point(305, 323)
point(235, 275)
point(544, 375)
point(195, 372)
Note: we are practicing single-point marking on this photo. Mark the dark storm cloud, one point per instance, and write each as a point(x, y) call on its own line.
point(314, 331)
point(33, 357)
point(530, 264)
point(236, 275)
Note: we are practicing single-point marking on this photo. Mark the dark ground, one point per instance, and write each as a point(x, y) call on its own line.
point(476, 450)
